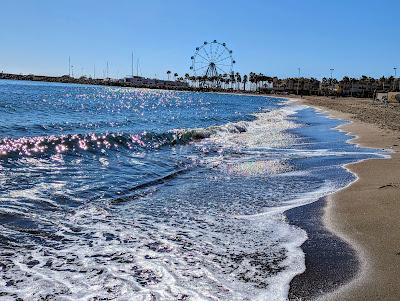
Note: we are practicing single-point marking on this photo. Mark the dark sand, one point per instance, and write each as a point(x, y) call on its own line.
point(330, 261)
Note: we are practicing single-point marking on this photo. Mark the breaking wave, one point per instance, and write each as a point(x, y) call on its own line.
point(42, 145)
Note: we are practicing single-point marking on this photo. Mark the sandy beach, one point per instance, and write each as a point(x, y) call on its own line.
point(366, 214)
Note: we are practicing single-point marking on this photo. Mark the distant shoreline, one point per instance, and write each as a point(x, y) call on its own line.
point(113, 83)
point(182, 85)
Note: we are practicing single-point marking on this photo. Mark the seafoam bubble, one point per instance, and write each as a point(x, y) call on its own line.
point(258, 168)
point(269, 129)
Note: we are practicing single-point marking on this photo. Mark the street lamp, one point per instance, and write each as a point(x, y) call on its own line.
point(332, 69)
point(394, 80)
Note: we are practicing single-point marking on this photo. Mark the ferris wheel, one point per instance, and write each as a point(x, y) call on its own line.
point(212, 59)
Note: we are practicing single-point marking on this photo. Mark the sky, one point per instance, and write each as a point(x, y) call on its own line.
point(272, 37)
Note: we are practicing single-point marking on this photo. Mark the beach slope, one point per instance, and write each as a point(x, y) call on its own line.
point(367, 213)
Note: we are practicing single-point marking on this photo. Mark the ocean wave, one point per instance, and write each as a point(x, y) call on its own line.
point(267, 129)
point(34, 146)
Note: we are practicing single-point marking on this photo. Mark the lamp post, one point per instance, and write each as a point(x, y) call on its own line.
point(332, 69)
point(394, 80)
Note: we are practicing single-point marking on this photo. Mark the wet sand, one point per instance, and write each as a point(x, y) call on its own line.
point(367, 213)
point(330, 261)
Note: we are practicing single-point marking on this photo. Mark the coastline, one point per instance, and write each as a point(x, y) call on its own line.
point(330, 261)
point(365, 214)
point(353, 216)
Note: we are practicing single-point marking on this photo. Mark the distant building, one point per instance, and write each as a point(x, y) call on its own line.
point(304, 86)
point(357, 88)
point(388, 97)
point(153, 82)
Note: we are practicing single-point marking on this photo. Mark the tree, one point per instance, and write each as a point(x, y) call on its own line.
point(346, 79)
point(232, 79)
point(225, 80)
point(168, 73)
point(244, 82)
point(251, 78)
point(238, 80)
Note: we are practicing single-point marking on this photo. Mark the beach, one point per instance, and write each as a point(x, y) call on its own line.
point(148, 152)
point(366, 214)
point(174, 195)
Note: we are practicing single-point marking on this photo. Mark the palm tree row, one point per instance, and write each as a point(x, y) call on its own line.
point(233, 81)
point(258, 81)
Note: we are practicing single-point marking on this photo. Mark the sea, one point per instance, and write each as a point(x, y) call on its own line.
point(111, 193)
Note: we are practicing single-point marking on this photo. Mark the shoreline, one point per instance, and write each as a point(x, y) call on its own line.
point(330, 261)
point(352, 216)
point(365, 214)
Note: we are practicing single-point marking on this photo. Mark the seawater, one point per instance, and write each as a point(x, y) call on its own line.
point(133, 194)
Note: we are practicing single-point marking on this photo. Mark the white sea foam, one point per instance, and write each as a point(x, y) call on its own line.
point(269, 129)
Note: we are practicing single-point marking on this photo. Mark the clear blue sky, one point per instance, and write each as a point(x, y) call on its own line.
point(273, 37)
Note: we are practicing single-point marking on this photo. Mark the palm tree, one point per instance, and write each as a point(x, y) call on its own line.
point(382, 80)
point(346, 79)
point(220, 80)
point(187, 77)
point(232, 78)
point(244, 82)
point(168, 73)
point(254, 79)
point(175, 76)
point(227, 83)
point(238, 80)
point(225, 80)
